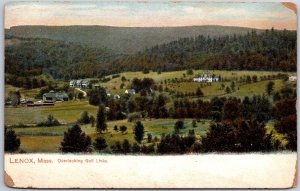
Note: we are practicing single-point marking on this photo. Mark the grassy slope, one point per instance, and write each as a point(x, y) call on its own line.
point(249, 89)
point(65, 112)
point(47, 139)
point(69, 112)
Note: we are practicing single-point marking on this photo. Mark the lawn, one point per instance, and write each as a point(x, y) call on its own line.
point(113, 85)
point(47, 139)
point(65, 112)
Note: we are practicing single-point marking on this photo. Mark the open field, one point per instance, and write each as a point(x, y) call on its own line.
point(47, 139)
point(113, 85)
point(65, 112)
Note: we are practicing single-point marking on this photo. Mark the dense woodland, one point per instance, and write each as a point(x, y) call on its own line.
point(270, 50)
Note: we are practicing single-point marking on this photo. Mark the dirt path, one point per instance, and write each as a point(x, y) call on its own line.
point(84, 93)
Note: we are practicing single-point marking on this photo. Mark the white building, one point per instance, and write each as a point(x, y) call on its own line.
point(81, 83)
point(130, 91)
point(206, 78)
point(293, 78)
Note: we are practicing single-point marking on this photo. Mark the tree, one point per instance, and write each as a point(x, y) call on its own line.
point(232, 109)
point(11, 142)
point(189, 72)
point(123, 78)
point(194, 123)
point(123, 128)
point(117, 147)
point(97, 96)
point(220, 137)
point(15, 98)
point(138, 131)
point(232, 85)
point(178, 125)
point(84, 119)
point(199, 92)
point(227, 90)
point(51, 121)
point(101, 119)
point(71, 96)
point(80, 95)
point(92, 120)
point(100, 143)
point(136, 148)
point(126, 146)
point(149, 138)
point(270, 87)
point(288, 125)
point(75, 141)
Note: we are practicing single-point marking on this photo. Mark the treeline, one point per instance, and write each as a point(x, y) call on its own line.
point(272, 50)
point(25, 82)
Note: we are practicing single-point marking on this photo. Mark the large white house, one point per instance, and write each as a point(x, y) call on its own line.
point(206, 78)
point(81, 83)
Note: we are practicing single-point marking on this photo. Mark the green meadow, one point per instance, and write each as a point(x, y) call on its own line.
point(47, 139)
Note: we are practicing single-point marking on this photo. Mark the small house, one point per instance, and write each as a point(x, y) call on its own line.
point(53, 96)
point(293, 78)
point(117, 96)
point(130, 91)
point(72, 83)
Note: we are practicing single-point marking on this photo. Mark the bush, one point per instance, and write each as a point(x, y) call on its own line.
point(123, 129)
point(136, 116)
point(84, 119)
point(136, 148)
point(178, 125)
point(100, 144)
point(51, 121)
point(149, 137)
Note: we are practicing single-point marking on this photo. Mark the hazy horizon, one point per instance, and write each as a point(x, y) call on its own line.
point(142, 26)
point(150, 14)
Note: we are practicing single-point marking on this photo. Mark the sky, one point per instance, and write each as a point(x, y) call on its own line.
point(150, 14)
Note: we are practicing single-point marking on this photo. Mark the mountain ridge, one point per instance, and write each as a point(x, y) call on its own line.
point(125, 40)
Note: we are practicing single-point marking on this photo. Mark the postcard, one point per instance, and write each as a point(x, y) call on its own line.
point(151, 94)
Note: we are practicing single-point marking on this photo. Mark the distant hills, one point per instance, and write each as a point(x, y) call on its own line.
point(124, 40)
point(72, 52)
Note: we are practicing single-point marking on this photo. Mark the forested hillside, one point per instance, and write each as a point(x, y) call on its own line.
point(125, 40)
point(271, 50)
point(61, 60)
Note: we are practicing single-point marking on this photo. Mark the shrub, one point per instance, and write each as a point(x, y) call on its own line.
point(100, 143)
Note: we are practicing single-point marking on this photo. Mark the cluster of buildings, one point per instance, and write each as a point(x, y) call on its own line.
point(81, 83)
point(53, 96)
point(206, 78)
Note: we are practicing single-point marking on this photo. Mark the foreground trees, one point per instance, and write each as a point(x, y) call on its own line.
point(286, 121)
point(138, 131)
point(101, 119)
point(100, 144)
point(75, 141)
point(11, 142)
